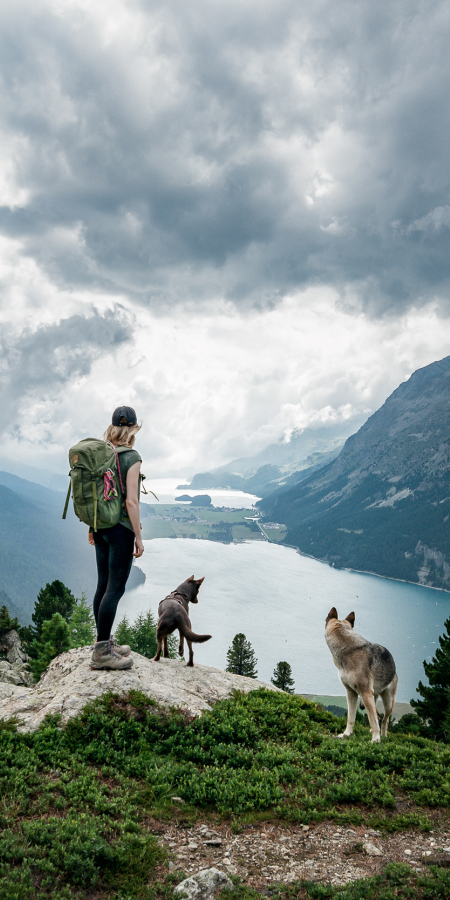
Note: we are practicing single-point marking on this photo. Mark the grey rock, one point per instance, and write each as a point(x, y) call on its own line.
point(213, 842)
point(11, 645)
point(14, 669)
point(68, 684)
point(370, 849)
point(204, 885)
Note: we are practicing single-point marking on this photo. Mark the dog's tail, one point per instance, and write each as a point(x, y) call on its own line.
point(190, 635)
point(361, 705)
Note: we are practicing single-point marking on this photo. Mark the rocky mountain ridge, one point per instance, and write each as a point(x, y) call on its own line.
point(384, 504)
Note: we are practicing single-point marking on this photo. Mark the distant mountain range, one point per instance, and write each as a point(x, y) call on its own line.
point(36, 546)
point(279, 465)
point(384, 504)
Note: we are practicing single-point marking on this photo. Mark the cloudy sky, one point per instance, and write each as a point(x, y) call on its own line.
point(231, 214)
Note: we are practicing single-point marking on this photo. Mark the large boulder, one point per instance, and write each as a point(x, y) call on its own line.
point(204, 885)
point(68, 684)
point(13, 660)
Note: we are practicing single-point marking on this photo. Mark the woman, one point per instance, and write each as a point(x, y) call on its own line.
point(116, 546)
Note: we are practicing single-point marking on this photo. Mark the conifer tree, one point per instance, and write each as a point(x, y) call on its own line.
point(282, 677)
point(81, 624)
point(55, 639)
point(241, 658)
point(6, 623)
point(53, 598)
point(434, 707)
point(124, 633)
point(141, 636)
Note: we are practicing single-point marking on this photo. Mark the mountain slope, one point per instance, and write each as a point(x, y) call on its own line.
point(384, 504)
point(293, 454)
point(36, 546)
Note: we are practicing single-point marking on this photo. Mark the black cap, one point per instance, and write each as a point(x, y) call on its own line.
point(124, 415)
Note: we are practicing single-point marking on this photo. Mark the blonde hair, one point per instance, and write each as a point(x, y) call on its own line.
point(121, 435)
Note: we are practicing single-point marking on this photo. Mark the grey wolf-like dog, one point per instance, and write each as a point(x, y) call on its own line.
point(365, 669)
point(173, 614)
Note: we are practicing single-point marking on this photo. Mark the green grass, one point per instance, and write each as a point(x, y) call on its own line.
point(156, 528)
point(201, 523)
point(77, 802)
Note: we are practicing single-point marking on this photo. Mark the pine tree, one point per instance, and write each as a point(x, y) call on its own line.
point(434, 708)
point(124, 633)
point(141, 636)
point(55, 639)
point(81, 624)
point(6, 623)
point(53, 598)
point(241, 658)
point(282, 677)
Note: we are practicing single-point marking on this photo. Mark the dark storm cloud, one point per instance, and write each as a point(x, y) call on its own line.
point(237, 149)
point(40, 363)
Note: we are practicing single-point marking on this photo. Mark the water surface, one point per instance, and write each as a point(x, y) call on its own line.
point(280, 599)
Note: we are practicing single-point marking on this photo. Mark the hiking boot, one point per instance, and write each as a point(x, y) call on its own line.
point(104, 657)
point(121, 649)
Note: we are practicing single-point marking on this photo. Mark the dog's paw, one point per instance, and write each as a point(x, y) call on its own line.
point(376, 739)
point(344, 734)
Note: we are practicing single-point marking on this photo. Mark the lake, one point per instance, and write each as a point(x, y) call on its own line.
point(280, 599)
point(166, 490)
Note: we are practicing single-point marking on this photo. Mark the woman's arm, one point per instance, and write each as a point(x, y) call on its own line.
point(133, 506)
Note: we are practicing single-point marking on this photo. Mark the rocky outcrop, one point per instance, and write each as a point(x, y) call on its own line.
point(68, 684)
point(13, 661)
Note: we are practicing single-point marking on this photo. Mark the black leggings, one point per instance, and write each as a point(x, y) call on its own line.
point(114, 553)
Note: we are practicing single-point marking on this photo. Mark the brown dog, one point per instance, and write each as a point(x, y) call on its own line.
point(365, 669)
point(173, 614)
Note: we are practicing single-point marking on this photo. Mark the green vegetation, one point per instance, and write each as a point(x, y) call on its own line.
point(79, 803)
point(141, 636)
point(282, 677)
point(55, 639)
point(53, 598)
point(397, 880)
point(6, 622)
point(241, 659)
point(60, 621)
point(205, 523)
point(434, 708)
point(82, 629)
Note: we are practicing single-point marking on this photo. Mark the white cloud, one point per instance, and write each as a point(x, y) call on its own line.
point(210, 386)
point(228, 175)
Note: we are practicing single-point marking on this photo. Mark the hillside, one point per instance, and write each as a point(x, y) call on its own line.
point(384, 504)
point(279, 465)
point(129, 797)
point(36, 546)
point(292, 455)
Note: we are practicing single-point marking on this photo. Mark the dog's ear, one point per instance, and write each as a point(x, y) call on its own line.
point(351, 618)
point(332, 614)
point(199, 581)
point(190, 579)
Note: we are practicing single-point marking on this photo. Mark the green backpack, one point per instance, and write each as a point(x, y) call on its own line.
point(96, 483)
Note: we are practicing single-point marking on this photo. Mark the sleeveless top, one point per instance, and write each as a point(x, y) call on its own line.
point(127, 459)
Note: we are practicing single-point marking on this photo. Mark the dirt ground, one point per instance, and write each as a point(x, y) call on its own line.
point(323, 852)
